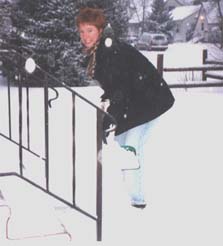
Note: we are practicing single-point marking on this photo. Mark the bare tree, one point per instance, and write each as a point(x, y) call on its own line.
point(219, 4)
point(140, 7)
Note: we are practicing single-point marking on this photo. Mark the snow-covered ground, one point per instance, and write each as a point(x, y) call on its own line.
point(183, 176)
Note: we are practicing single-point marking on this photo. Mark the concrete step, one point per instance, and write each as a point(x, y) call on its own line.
point(28, 214)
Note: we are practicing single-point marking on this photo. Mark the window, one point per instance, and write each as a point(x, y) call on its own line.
point(202, 26)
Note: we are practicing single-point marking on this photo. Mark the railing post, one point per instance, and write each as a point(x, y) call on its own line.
point(204, 58)
point(19, 78)
point(46, 130)
point(73, 149)
point(99, 176)
point(27, 117)
point(160, 64)
point(9, 108)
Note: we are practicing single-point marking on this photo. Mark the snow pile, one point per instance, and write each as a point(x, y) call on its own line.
point(31, 214)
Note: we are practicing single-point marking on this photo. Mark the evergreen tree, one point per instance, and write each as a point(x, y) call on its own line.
point(48, 28)
point(5, 23)
point(6, 29)
point(159, 20)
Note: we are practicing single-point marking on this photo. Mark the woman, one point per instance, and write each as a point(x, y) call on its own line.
point(136, 92)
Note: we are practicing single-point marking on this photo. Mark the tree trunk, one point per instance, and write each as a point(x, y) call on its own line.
point(221, 21)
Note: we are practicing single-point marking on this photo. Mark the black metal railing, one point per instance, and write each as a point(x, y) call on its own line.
point(20, 89)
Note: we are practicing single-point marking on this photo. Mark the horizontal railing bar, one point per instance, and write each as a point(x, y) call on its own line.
point(187, 69)
point(214, 62)
point(8, 174)
point(25, 148)
point(218, 84)
point(214, 76)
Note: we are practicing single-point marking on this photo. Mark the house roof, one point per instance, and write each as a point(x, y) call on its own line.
point(182, 12)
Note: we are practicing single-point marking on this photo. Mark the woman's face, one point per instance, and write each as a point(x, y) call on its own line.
point(89, 34)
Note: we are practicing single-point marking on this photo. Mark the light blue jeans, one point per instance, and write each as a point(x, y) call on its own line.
point(133, 179)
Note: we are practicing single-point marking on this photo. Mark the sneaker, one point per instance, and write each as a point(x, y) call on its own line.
point(142, 206)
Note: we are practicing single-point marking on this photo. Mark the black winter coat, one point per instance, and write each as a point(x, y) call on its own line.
point(136, 91)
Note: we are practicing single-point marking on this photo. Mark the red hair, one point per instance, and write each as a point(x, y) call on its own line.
point(91, 16)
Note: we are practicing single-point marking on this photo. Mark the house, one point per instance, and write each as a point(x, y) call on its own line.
point(184, 15)
point(185, 18)
point(207, 26)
